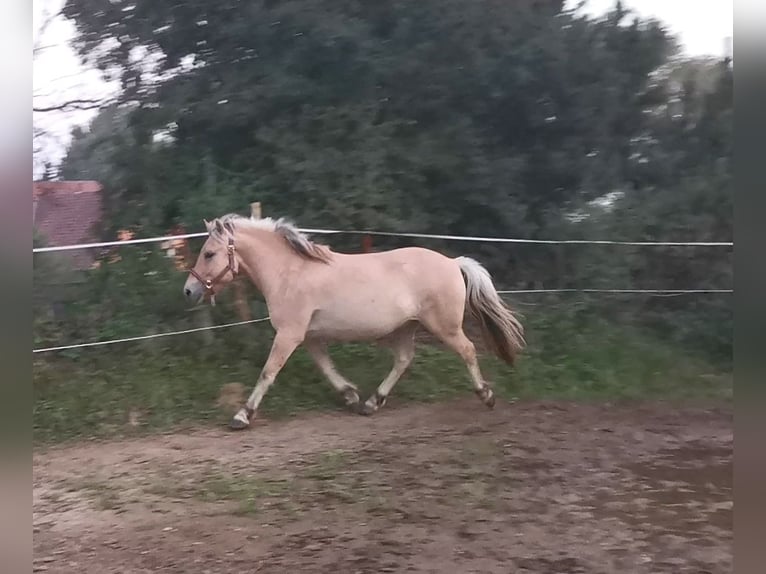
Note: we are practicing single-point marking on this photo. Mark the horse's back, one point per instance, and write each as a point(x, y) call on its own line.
point(372, 294)
point(400, 256)
point(416, 266)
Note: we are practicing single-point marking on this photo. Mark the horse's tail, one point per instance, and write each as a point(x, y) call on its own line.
point(502, 330)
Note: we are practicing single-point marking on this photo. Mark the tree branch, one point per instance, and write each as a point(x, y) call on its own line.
point(77, 104)
point(48, 17)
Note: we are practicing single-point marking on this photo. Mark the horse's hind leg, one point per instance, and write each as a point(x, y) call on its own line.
point(449, 330)
point(318, 352)
point(462, 345)
point(402, 343)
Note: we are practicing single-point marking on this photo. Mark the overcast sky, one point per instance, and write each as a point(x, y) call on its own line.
point(701, 25)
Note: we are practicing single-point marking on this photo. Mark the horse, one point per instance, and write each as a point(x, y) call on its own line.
point(316, 296)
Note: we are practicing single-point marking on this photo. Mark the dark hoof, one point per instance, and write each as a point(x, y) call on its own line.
point(237, 424)
point(378, 399)
point(365, 410)
point(354, 407)
point(352, 398)
point(487, 396)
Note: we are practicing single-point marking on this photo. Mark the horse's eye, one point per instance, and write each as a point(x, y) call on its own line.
point(209, 254)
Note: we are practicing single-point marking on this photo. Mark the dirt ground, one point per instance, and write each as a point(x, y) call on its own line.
point(447, 488)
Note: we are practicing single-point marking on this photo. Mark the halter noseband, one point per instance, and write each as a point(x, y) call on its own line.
point(210, 283)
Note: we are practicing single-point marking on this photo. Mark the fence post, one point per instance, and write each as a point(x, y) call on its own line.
point(255, 210)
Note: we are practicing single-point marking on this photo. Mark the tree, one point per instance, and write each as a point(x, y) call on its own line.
point(480, 118)
point(457, 115)
point(683, 191)
point(49, 103)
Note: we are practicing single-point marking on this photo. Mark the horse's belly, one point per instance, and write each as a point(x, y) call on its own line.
point(356, 321)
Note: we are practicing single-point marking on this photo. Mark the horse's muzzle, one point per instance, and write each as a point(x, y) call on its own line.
point(194, 291)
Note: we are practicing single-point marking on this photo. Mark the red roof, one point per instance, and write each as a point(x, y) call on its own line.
point(67, 212)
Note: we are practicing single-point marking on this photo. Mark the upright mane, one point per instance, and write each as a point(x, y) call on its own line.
point(298, 241)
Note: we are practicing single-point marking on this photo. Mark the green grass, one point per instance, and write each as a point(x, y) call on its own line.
point(333, 480)
point(328, 465)
point(248, 493)
point(103, 494)
point(131, 389)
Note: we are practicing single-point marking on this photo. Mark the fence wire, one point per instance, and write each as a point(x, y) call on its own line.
point(467, 238)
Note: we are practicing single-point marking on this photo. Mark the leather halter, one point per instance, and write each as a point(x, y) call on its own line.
point(210, 283)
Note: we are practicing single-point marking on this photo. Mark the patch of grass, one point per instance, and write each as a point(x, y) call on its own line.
point(571, 356)
point(249, 494)
point(222, 486)
point(218, 487)
point(104, 495)
point(322, 479)
point(596, 361)
point(327, 466)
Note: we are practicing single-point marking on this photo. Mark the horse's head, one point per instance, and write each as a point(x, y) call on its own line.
point(216, 264)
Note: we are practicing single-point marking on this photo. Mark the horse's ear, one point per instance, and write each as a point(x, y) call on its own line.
point(208, 225)
point(219, 226)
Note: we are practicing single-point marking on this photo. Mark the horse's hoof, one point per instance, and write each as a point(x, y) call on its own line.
point(487, 396)
point(366, 410)
point(354, 407)
point(237, 424)
point(352, 398)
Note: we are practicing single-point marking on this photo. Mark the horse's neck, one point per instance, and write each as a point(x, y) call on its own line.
point(267, 260)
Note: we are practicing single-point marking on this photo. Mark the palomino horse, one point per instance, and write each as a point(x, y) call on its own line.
point(316, 296)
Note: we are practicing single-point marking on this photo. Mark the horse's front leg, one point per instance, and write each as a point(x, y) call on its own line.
point(402, 343)
point(285, 342)
point(318, 351)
